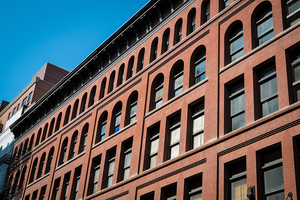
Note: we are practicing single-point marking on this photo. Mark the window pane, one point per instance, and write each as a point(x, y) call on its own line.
point(94, 188)
point(273, 179)
point(269, 107)
point(238, 121)
point(293, 6)
point(111, 168)
point(276, 196)
point(200, 67)
point(109, 181)
point(237, 104)
point(268, 89)
point(153, 161)
point(159, 94)
point(133, 110)
point(198, 140)
point(126, 174)
point(297, 73)
point(239, 190)
point(297, 92)
point(127, 160)
point(154, 146)
point(118, 120)
point(196, 197)
point(265, 26)
point(96, 175)
point(178, 92)
point(174, 151)
point(103, 129)
point(175, 136)
point(266, 38)
point(198, 124)
point(237, 55)
point(237, 44)
point(158, 104)
point(295, 21)
point(178, 82)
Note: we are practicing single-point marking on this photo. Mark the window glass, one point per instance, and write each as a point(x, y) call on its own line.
point(264, 24)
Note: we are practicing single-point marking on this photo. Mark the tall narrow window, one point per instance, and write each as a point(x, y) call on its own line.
point(197, 128)
point(73, 145)
point(49, 160)
point(237, 105)
point(102, 90)
point(178, 31)
point(57, 126)
point(264, 24)
point(24, 101)
point(169, 192)
point(67, 115)
point(44, 132)
point(51, 127)
point(295, 68)
point(130, 67)
point(153, 143)
point(75, 108)
point(63, 152)
point(174, 137)
point(92, 96)
point(102, 127)
point(177, 84)
point(110, 167)
point(191, 21)
point(154, 45)
point(22, 178)
point(292, 12)
point(224, 4)
point(64, 193)
point(120, 75)
point(268, 90)
point(149, 196)
point(194, 188)
point(43, 192)
point(132, 104)
point(41, 167)
point(111, 82)
point(127, 149)
point(95, 175)
point(237, 180)
point(56, 189)
point(235, 43)
point(158, 91)
point(272, 174)
point(76, 181)
point(166, 41)
point(29, 98)
point(34, 195)
point(33, 169)
point(141, 59)
point(198, 64)
point(117, 117)
point(83, 102)
point(83, 139)
point(206, 11)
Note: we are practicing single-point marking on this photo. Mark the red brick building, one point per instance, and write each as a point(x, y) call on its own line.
point(128, 122)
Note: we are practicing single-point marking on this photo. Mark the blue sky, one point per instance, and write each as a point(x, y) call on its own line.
point(60, 32)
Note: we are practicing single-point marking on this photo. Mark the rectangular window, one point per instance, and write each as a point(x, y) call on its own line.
point(292, 12)
point(76, 183)
point(43, 192)
point(295, 68)
point(272, 174)
point(95, 174)
point(237, 180)
point(236, 105)
point(174, 137)
point(110, 167)
point(153, 143)
point(268, 90)
point(132, 116)
point(127, 149)
point(197, 126)
point(169, 192)
point(64, 193)
point(34, 195)
point(56, 189)
point(194, 188)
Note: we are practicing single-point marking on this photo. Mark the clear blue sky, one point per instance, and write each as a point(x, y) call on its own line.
point(60, 32)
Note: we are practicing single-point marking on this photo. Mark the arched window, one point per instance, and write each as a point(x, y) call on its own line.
point(73, 145)
point(111, 82)
point(191, 21)
point(83, 139)
point(131, 108)
point(153, 54)
point(49, 160)
point(13, 190)
point(264, 24)
point(235, 42)
point(22, 178)
point(41, 166)
point(31, 142)
point(15, 157)
point(101, 127)
point(67, 115)
point(58, 122)
point(51, 127)
point(130, 69)
point(120, 75)
point(75, 108)
point(198, 62)
point(44, 132)
point(178, 31)
point(141, 56)
point(25, 147)
point(116, 118)
point(166, 41)
point(92, 96)
point(292, 12)
point(157, 91)
point(34, 166)
point(102, 90)
point(63, 151)
point(20, 150)
point(38, 137)
point(205, 11)
point(83, 102)
point(176, 84)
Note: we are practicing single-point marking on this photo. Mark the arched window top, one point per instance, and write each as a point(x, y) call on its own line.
point(166, 41)
point(67, 115)
point(263, 20)
point(191, 21)
point(205, 11)
point(84, 134)
point(102, 123)
point(92, 96)
point(131, 107)
point(38, 137)
point(130, 69)
point(235, 47)
point(120, 75)
point(141, 56)
point(75, 108)
point(83, 102)
point(198, 65)
point(51, 127)
point(154, 46)
point(177, 75)
point(111, 81)
point(116, 121)
point(57, 126)
point(63, 153)
point(102, 89)
point(178, 31)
